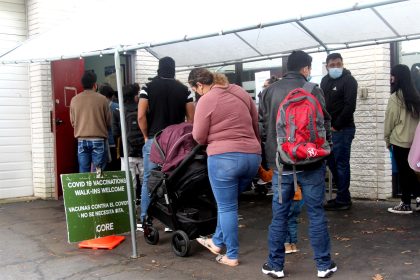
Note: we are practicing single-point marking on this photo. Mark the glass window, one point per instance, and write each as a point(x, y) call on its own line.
point(228, 70)
point(409, 54)
point(255, 73)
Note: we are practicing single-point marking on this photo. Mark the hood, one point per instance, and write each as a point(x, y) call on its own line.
point(166, 67)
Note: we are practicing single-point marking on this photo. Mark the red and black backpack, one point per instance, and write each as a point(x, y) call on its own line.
point(301, 135)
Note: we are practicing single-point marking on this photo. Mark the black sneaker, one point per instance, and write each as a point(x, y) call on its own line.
point(276, 274)
point(328, 272)
point(401, 208)
point(337, 206)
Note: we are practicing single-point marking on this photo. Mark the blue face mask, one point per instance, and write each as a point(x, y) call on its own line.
point(309, 78)
point(335, 72)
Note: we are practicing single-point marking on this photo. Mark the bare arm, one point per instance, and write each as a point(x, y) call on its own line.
point(190, 110)
point(141, 117)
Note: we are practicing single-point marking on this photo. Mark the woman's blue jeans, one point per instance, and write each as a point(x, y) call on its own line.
point(230, 174)
point(313, 190)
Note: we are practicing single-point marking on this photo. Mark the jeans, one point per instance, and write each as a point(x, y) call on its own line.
point(91, 151)
point(136, 169)
point(339, 162)
point(295, 209)
point(313, 190)
point(230, 174)
point(148, 166)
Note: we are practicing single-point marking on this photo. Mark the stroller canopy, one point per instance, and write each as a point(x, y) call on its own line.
point(171, 145)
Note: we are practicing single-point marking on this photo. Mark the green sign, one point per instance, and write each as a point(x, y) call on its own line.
point(95, 207)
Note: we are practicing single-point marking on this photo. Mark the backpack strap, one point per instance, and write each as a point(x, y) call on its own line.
point(309, 87)
point(279, 177)
point(295, 178)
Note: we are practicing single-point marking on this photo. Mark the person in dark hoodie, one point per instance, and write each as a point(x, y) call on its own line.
point(163, 101)
point(340, 89)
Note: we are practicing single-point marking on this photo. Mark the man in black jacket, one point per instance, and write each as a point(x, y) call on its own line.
point(311, 177)
point(340, 89)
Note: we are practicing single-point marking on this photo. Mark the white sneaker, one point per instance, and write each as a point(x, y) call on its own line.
point(140, 227)
point(328, 272)
point(168, 229)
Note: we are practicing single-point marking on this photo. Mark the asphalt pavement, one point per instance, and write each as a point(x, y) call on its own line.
point(367, 243)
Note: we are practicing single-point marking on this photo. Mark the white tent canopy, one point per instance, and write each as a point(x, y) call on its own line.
point(162, 32)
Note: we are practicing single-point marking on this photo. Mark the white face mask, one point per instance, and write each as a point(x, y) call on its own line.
point(335, 72)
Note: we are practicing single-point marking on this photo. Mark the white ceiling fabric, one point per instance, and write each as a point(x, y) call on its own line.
point(192, 33)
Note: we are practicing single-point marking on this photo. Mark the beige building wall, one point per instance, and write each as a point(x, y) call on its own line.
point(15, 114)
point(370, 160)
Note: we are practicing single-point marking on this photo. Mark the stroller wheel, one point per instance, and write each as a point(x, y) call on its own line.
point(151, 235)
point(181, 243)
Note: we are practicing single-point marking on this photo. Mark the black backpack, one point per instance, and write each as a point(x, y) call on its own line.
point(135, 138)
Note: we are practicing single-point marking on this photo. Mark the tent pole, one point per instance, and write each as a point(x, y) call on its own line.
point(126, 161)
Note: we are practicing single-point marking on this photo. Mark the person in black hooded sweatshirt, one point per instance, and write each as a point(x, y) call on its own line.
point(163, 101)
point(340, 89)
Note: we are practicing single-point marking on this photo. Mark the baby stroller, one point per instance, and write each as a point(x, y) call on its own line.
point(180, 193)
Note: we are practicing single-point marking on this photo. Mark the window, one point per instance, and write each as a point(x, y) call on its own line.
point(409, 54)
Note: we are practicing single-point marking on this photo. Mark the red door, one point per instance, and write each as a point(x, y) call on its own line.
point(66, 76)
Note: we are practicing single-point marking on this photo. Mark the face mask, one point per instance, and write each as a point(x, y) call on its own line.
point(309, 78)
point(335, 72)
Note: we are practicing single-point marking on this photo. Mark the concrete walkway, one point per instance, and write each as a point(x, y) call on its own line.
point(366, 241)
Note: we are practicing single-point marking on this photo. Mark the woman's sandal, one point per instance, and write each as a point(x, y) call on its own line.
point(208, 243)
point(223, 259)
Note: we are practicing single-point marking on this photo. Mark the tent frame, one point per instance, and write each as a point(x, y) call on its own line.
point(299, 21)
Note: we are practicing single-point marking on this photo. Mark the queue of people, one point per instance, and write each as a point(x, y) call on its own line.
point(237, 134)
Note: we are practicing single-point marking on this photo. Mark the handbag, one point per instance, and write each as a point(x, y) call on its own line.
point(414, 154)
